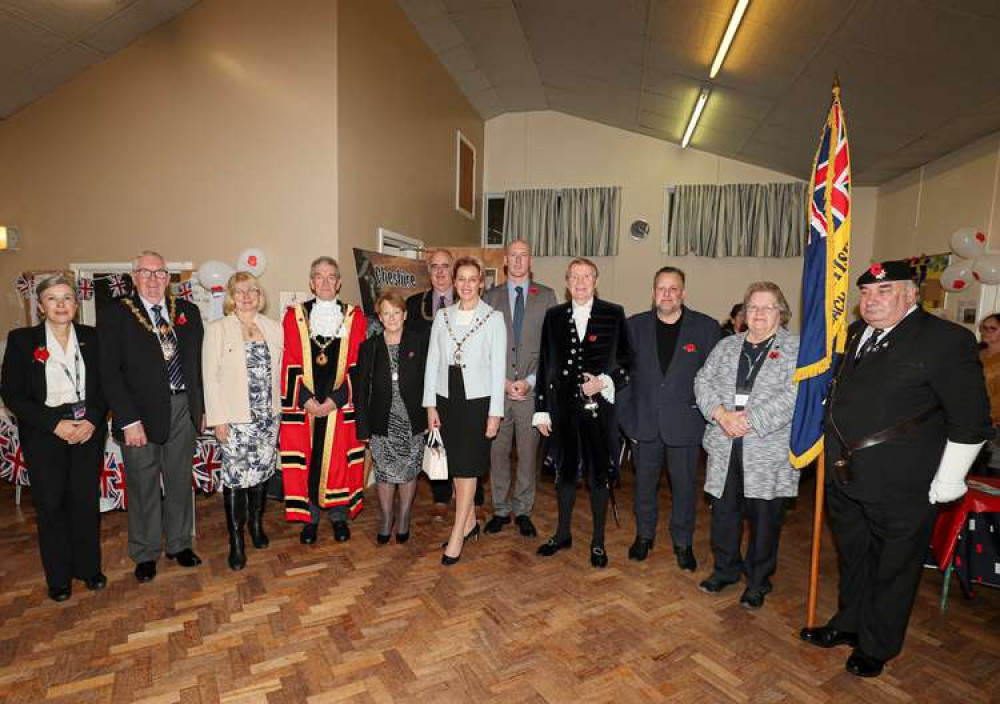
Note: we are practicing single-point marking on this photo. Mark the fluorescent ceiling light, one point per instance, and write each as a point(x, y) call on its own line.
point(698, 107)
point(727, 38)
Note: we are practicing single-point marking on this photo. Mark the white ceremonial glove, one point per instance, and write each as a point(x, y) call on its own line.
point(949, 482)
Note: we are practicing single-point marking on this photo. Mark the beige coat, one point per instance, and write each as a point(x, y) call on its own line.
point(224, 369)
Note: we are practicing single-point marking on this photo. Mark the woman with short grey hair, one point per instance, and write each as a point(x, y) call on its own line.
point(747, 391)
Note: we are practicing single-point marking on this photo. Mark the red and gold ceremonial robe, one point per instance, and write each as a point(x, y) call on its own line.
point(341, 473)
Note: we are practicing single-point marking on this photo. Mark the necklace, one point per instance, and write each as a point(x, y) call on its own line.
point(458, 343)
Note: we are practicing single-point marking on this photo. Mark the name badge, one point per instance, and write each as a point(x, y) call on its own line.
point(79, 410)
point(740, 400)
point(395, 376)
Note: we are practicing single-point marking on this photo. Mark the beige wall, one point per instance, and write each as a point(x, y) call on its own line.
point(549, 149)
point(210, 134)
point(399, 110)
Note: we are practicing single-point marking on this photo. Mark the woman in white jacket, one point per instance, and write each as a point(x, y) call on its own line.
point(464, 392)
point(241, 361)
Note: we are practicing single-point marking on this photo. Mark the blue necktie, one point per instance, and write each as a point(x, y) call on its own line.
point(166, 332)
point(518, 312)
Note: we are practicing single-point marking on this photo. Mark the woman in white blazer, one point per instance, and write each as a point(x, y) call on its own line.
point(241, 362)
point(464, 392)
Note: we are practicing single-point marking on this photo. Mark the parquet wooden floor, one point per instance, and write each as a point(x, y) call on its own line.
point(365, 623)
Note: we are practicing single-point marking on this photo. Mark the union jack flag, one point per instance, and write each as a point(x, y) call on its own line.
point(824, 284)
point(22, 285)
point(12, 466)
point(207, 468)
point(184, 290)
point(114, 495)
point(119, 285)
point(84, 288)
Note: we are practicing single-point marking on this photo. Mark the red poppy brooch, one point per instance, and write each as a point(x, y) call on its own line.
point(689, 347)
point(773, 354)
point(532, 290)
point(591, 338)
point(181, 319)
point(41, 355)
point(877, 271)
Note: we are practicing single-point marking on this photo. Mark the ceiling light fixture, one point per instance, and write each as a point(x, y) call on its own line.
point(727, 38)
point(696, 114)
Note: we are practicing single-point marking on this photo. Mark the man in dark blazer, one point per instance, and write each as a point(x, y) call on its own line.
point(583, 362)
point(523, 303)
point(151, 371)
point(669, 343)
point(906, 416)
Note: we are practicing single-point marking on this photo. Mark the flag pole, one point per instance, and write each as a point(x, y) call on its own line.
point(817, 536)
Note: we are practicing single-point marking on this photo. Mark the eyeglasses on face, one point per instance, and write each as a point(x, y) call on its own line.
point(246, 292)
point(147, 274)
point(762, 309)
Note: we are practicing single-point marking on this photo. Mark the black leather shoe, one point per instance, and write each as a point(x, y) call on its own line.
point(185, 558)
point(554, 544)
point(598, 558)
point(714, 585)
point(827, 637)
point(752, 599)
point(864, 665)
point(145, 571)
point(341, 531)
point(685, 558)
point(97, 581)
point(640, 549)
point(526, 527)
point(496, 524)
point(60, 593)
point(308, 534)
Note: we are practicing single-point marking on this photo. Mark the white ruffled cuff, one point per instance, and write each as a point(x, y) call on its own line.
point(541, 418)
point(608, 392)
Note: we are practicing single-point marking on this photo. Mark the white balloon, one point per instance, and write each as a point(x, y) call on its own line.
point(968, 242)
point(957, 276)
point(214, 274)
point(252, 260)
point(986, 269)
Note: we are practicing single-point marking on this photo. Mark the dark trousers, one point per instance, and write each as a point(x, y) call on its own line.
point(682, 470)
point(152, 512)
point(583, 445)
point(441, 490)
point(65, 482)
point(764, 516)
point(881, 549)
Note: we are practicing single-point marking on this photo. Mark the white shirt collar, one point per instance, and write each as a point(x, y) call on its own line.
point(582, 310)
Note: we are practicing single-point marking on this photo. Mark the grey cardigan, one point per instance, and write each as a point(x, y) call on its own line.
point(767, 472)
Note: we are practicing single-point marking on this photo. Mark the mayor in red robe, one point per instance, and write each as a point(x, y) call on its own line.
point(322, 460)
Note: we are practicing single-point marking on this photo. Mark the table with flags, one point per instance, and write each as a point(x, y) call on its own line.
point(206, 466)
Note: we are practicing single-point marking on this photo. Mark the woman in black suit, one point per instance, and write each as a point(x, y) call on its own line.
point(51, 383)
point(388, 385)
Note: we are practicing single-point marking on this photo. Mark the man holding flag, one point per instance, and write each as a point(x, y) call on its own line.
point(902, 423)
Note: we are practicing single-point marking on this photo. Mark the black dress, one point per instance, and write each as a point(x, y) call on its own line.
point(463, 429)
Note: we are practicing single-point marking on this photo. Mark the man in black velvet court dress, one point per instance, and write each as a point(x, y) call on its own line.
point(906, 417)
point(583, 361)
point(670, 343)
point(151, 372)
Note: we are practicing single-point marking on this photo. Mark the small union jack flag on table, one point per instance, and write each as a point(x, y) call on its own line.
point(207, 466)
point(12, 466)
point(114, 496)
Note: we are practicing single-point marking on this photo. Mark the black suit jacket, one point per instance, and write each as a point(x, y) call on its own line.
point(24, 388)
point(372, 384)
point(923, 363)
point(134, 373)
point(419, 317)
point(662, 406)
point(561, 363)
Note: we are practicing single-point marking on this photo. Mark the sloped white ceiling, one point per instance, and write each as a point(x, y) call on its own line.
point(920, 78)
point(44, 43)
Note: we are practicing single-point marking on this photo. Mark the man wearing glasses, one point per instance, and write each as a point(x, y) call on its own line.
point(151, 372)
point(322, 460)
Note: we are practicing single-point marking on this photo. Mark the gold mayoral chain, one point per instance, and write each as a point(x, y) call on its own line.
point(458, 343)
point(321, 358)
point(166, 344)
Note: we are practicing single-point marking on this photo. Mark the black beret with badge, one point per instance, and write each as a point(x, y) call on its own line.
point(886, 271)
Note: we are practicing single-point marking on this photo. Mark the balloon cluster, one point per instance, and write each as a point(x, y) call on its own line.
point(214, 275)
point(975, 264)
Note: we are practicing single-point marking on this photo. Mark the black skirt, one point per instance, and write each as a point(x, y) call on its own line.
point(463, 429)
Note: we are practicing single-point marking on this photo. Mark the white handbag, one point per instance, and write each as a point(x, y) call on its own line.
point(435, 458)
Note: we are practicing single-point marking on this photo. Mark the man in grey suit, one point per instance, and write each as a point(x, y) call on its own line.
point(523, 303)
point(670, 343)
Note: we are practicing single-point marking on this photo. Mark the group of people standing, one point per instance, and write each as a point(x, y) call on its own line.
point(493, 372)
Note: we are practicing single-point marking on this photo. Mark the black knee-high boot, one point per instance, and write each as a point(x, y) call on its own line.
point(235, 501)
point(257, 497)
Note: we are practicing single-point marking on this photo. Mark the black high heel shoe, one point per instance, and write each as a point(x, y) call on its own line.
point(402, 537)
point(382, 538)
point(473, 534)
point(449, 561)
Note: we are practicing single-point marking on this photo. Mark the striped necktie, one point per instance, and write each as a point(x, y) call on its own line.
point(168, 337)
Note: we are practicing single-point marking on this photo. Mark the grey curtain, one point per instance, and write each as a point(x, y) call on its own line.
point(567, 222)
point(737, 220)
